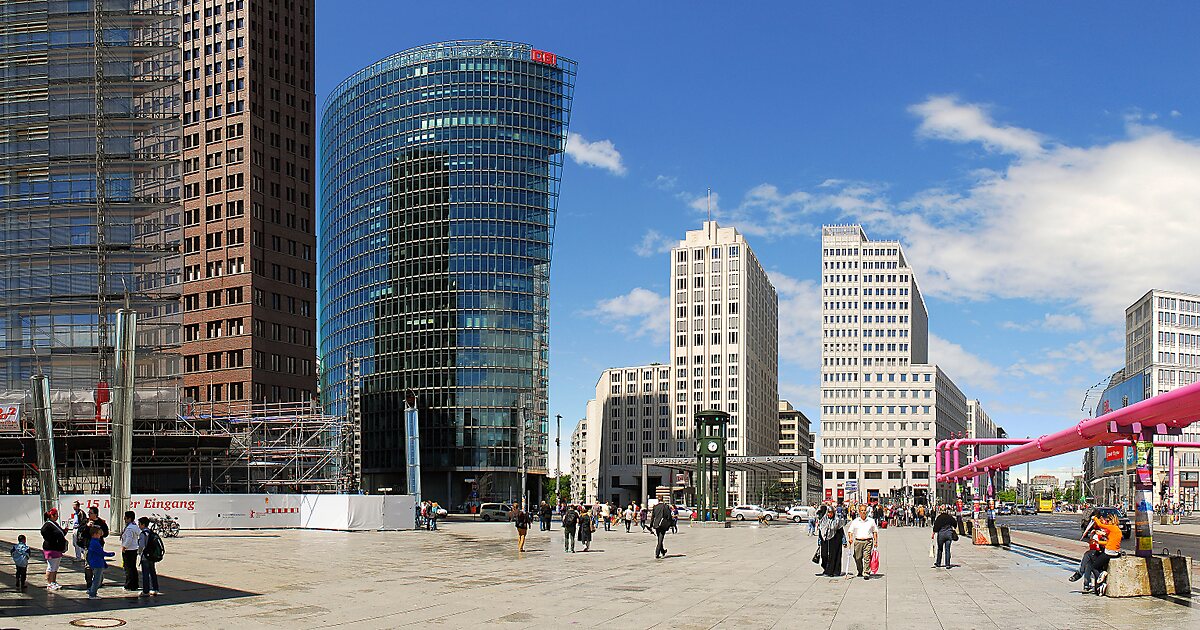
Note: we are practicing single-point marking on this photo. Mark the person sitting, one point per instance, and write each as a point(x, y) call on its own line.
point(1096, 538)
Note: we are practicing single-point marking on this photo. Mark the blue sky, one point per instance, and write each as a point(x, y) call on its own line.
point(1039, 162)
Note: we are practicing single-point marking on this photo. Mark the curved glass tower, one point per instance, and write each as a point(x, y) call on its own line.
point(440, 171)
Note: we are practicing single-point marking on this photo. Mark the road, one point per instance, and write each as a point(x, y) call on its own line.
point(1067, 526)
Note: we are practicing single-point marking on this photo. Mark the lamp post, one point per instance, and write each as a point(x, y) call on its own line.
point(558, 456)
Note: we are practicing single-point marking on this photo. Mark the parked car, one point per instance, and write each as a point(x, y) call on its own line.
point(1004, 510)
point(682, 512)
point(743, 512)
point(494, 511)
point(1122, 520)
point(1025, 509)
point(800, 513)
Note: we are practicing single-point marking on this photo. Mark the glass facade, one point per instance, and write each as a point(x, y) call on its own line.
point(440, 173)
point(87, 226)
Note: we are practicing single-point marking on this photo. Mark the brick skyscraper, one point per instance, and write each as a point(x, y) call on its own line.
point(249, 244)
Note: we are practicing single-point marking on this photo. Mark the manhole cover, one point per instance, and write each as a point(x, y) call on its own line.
point(98, 622)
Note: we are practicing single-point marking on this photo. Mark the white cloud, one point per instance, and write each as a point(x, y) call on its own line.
point(639, 313)
point(1050, 322)
point(601, 153)
point(945, 118)
point(961, 366)
point(766, 211)
point(653, 243)
point(665, 182)
point(1094, 227)
point(799, 321)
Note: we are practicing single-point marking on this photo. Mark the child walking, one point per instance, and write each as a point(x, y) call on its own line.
point(95, 559)
point(20, 556)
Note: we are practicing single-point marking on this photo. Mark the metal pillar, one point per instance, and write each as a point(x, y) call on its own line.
point(524, 460)
point(39, 386)
point(645, 471)
point(558, 460)
point(122, 415)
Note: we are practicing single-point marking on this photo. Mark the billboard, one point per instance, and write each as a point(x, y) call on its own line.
point(1123, 394)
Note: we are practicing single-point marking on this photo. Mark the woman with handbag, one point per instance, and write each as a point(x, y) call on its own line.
point(944, 532)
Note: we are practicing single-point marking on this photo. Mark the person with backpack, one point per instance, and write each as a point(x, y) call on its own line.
point(152, 551)
point(521, 520)
point(20, 556)
point(586, 527)
point(54, 545)
point(570, 520)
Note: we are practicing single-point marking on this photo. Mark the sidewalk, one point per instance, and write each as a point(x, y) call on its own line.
point(468, 575)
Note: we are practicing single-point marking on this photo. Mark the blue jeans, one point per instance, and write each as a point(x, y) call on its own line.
point(944, 538)
point(149, 576)
point(97, 579)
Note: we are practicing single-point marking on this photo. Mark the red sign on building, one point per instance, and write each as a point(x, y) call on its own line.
point(1112, 453)
point(542, 56)
point(828, 494)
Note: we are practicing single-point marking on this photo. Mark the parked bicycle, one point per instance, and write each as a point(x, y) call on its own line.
point(166, 526)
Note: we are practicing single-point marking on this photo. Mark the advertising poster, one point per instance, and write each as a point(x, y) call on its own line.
point(1144, 507)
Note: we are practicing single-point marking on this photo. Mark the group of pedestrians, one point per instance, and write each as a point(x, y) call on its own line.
point(580, 522)
point(428, 513)
point(860, 535)
point(86, 532)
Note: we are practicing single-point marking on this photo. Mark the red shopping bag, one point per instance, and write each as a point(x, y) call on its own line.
point(874, 561)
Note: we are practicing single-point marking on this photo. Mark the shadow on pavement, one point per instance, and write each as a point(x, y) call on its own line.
point(35, 600)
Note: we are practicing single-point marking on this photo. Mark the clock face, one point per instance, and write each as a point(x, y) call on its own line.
point(712, 447)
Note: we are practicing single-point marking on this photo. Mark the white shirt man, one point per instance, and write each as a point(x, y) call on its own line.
point(864, 535)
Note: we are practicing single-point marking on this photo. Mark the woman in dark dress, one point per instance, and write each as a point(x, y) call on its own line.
point(584, 530)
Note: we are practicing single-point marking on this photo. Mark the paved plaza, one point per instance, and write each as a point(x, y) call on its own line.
point(469, 575)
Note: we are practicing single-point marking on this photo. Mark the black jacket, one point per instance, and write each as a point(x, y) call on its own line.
point(661, 516)
point(944, 521)
point(53, 537)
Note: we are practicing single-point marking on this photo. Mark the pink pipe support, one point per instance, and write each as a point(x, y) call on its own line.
point(942, 449)
point(1173, 410)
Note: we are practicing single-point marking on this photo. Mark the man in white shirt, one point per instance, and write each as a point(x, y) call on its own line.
point(864, 535)
point(130, 543)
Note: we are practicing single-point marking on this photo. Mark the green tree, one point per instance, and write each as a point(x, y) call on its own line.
point(551, 489)
point(1007, 496)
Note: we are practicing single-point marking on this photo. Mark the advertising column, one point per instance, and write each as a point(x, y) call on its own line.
point(412, 435)
point(1143, 532)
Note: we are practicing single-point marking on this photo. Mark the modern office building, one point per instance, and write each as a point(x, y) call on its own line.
point(77, 246)
point(796, 438)
point(881, 400)
point(580, 481)
point(1043, 483)
point(249, 236)
point(440, 176)
point(725, 345)
point(980, 425)
point(629, 419)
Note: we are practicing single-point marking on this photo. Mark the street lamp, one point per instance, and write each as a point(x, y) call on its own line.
point(558, 458)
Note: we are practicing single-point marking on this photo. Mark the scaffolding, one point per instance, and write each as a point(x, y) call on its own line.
point(269, 447)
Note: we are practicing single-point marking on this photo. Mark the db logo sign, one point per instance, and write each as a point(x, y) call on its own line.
point(10, 418)
point(542, 56)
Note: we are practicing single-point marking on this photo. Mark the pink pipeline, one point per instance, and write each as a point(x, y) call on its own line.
point(1175, 409)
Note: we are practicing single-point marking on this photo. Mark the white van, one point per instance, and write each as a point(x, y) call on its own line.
point(494, 511)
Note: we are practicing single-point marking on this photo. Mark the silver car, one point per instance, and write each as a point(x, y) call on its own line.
point(743, 512)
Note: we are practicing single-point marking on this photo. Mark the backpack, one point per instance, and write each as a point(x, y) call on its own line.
point(155, 550)
point(570, 518)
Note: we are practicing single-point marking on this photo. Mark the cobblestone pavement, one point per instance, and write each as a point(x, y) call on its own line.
point(470, 575)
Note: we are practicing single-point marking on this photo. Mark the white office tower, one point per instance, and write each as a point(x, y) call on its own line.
point(881, 400)
point(583, 485)
point(980, 425)
point(725, 348)
point(630, 418)
point(1162, 349)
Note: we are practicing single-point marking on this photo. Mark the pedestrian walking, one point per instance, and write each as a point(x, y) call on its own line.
point(521, 521)
point(130, 544)
point(644, 519)
point(433, 515)
point(660, 522)
point(151, 549)
point(95, 559)
point(674, 520)
point(570, 519)
point(606, 515)
point(77, 522)
point(585, 529)
point(945, 531)
point(544, 514)
point(54, 545)
point(628, 517)
point(829, 533)
point(864, 535)
point(20, 556)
